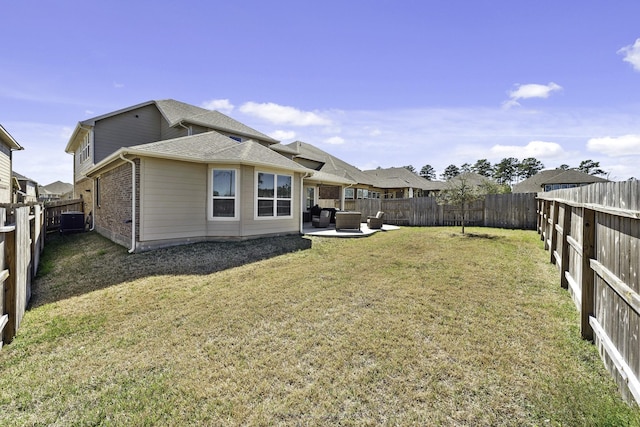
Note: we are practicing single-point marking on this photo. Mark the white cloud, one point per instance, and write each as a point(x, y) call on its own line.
point(537, 149)
point(283, 135)
point(118, 85)
point(531, 90)
point(375, 132)
point(632, 54)
point(222, 105)
point(626, 145)
point(334, 140)
point(281, 114)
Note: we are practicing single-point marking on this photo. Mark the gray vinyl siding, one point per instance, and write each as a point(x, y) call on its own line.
point(5, 174)
point(134, 127)
point(173, 203)
point(167, 132)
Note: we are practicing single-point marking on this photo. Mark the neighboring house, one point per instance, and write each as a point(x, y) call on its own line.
point(164, 172)
point(55, 191)
point(401, 183)
point(7, 145)
point(26, 190)
point(342, 181)
point(554, 179)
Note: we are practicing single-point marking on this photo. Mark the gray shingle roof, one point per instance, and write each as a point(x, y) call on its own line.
point(401, 178)
point(212, 147)
point(58, 187)
point(537, 182)
point(330, 164)
point(175, 112)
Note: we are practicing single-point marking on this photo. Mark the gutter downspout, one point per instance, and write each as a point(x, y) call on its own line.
point(342, 196)
point(93, 214)
point(306, 175)
point(188, 128)
point(133, 202)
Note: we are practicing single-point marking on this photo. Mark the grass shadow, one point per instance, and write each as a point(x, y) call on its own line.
point(77, 264)
point(477, 236)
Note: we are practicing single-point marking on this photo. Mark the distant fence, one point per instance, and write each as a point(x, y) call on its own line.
point(55, 209)
point(516, 211)
point(21, 243)
point(593, 237)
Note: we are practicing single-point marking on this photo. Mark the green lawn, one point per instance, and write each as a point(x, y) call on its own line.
point(420, 326)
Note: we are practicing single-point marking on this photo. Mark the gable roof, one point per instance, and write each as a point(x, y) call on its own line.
point(21, 177)
point(58, 187)
point(537, 182)
point(330, 164)
point(6, 138)
point(471, 178)
point(209, 147)
point(401, 178)
point(176, 112)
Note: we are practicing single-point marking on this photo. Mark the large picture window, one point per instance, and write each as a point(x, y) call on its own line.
point(224, 193)
point(274, 195)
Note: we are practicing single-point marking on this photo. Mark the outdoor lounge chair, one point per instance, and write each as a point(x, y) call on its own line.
point(322, 220)
point(347, 220)
point(375, 222)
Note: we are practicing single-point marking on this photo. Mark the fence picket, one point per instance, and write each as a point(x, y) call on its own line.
point(602, 272)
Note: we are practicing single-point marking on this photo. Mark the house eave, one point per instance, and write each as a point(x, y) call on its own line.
point(6, 137)
point(127, 152)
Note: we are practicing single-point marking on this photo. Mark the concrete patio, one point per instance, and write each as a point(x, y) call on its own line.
point(331, 231)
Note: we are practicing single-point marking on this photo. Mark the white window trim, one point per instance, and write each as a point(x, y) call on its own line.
point(275, 198)
point(86, 147)
point(236, 202)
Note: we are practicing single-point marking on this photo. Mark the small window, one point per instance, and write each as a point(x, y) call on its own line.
point(274, 195)
point(235, 138)
point(224, 194)
point(348, 193)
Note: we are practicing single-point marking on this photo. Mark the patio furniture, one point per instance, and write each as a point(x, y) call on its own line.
point(348, 220)
point(375, 222)
point(322, 220)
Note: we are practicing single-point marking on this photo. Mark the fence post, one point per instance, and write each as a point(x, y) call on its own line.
point(588, 276)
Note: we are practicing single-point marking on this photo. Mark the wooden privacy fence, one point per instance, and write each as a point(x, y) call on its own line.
point(55, 209)
point(21, 244)
point(516, 211)
point(593, 237)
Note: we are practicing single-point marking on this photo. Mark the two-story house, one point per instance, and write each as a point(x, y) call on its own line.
point(164, 172)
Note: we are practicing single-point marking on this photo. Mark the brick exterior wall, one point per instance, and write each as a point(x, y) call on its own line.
point(113, 214)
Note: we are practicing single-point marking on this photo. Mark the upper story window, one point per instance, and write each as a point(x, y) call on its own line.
point(274, 195)
point(85, 148)
point(235, 138)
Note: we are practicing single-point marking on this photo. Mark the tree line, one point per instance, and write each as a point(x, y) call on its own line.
point(506, 171)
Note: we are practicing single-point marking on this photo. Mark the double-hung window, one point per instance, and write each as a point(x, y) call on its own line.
point(274, 195)
point(224, 198)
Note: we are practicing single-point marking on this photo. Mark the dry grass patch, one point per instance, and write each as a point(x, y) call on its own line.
point(413, 327)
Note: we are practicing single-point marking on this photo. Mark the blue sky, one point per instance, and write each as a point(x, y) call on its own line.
point(376, 83)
